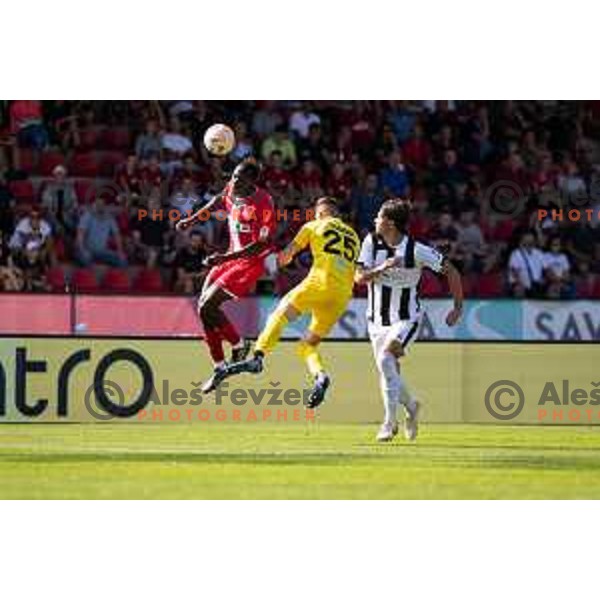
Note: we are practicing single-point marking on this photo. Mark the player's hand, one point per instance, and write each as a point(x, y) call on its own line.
point(453, 317)
point(283, 260)
point(390, 263)
point(214, 259)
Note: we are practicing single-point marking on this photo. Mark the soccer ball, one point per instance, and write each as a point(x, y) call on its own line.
point(219, 139)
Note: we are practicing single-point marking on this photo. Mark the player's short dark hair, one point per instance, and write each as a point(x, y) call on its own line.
point(249, 169)
point(397, 210)
point(330, 202)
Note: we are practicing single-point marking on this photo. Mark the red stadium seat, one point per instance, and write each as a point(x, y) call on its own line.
point(149, 281)
point(26, 160)
point(117, 138)
point(57, 279)
point(109, 161)
point(86, 189)
point(490, 285)
point(85, 165)
point(84, 280)
point(469, 283)
point(503, 231)
point(22, 190)
point(431, 286)
point(89, 138)
point(49, 161)
point(596, 290)
point(588, 287)
point(116, 280)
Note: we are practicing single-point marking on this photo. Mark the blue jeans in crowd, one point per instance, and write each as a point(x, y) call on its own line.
point(86, 257)
point(33, 136)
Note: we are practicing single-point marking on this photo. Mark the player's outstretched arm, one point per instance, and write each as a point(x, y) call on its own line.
point(287, 255)
point(251, 249)
point(365, 275)
point(200, 214)
point(456, 289)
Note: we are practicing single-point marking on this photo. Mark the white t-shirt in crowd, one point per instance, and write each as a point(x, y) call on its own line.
point(557, 262)
point(176, 143)
point(23, 234)
point(529, 264)
point(300, 122)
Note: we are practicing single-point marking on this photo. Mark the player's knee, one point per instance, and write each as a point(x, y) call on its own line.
point(396, 349)
point(206, 311)
point(312, 339)
point(291, 314)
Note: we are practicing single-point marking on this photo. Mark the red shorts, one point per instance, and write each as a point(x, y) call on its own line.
point(238, 277)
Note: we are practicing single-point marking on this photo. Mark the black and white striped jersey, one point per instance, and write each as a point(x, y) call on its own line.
point(393, 296)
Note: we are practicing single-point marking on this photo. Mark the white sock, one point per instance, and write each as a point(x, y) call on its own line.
point(391, 386)
point(406, 398)
point(220, 364)
point(240, 344)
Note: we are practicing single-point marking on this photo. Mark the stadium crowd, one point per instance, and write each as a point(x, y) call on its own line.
point(74, 176)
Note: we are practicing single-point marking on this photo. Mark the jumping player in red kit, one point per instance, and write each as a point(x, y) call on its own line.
point(251, 220)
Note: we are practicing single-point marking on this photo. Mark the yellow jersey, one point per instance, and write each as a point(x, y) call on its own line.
point(334, 246)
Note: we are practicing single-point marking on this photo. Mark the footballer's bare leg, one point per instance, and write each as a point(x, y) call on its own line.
point(212, 318)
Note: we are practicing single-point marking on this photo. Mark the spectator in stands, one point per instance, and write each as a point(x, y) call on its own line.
point(170, 164)
point(36, 230)
point(276, 178)
point(280, 140)
point(152, 174)
point(470, 244)
point(557, 270)
point(130, 177)
point(417, 150)
point(343, 149)
point(189, 264)
point(149, 235)
point(244, 146)
point(96, 231)
point(313, 147)
point(526, 268)
point(27, 123)
point(302, 119)
point(175, 140)
point(186, 198)
point(339, 183)
point(309, 180)
point(9, 276)
point(265, 120)
point(585, 280)
point(33, 267)
point(394, 178)
point(450, 172)
point(402, 117)
point(572, 185)
point(59, 200)
point(7, 206)
point(148, 143)
point(444, 235)
point(366, 200)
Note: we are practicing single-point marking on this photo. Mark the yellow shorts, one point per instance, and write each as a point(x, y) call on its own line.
point(326, 307)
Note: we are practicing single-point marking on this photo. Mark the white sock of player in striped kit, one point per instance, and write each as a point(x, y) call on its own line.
point(393, 387)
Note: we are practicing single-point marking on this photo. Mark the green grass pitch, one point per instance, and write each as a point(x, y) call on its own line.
point(302, 461)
